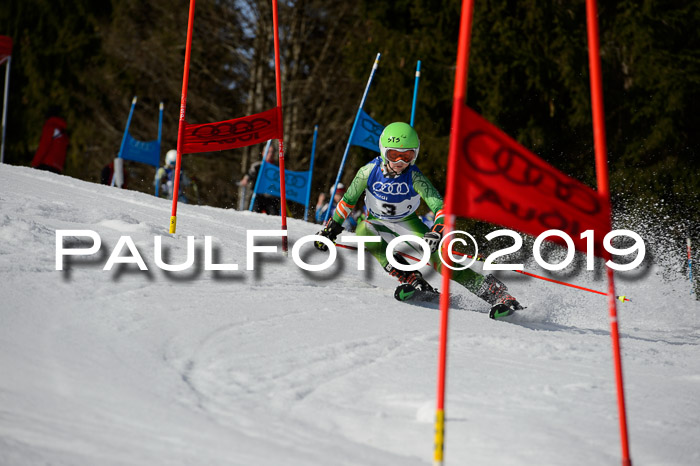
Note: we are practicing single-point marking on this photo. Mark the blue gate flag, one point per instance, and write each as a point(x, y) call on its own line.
point(260, 172)
point(367, 132)
point(296, 183)
point(139, 151)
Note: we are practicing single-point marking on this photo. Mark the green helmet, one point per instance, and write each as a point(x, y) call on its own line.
point(399, 136)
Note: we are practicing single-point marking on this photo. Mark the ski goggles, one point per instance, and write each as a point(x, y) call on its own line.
point(400, 155)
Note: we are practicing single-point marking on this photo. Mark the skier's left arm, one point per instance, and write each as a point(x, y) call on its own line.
point(432, 197)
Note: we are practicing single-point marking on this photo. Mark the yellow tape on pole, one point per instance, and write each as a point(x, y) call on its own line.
point(439, 437)
point(173, 222)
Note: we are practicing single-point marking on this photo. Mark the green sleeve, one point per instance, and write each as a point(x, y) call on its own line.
point(353, 193)
point(427, 191)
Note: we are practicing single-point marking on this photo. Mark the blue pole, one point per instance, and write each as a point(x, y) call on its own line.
point(128, 123)
point(126, 131)
point(257, 180)
point(160, 124)
point(415, 94)
point(311, 174)
point(352, 132)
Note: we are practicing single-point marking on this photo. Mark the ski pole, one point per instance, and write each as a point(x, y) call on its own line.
point(408, 256)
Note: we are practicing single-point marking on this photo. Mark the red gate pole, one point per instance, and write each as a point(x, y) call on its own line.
point(601, 162)
point(458, 100)
point(280, 123)
point(181, 126)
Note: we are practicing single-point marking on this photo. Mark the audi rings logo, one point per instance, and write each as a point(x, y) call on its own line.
point(490, 156)
point(371, 141)
point(291, 179)
point(372, 126)
point(390, 188)
point(231, 131)
point(295, 181)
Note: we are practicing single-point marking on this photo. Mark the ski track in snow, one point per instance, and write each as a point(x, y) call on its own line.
point(279, 366)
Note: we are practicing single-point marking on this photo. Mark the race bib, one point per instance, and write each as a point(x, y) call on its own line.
point(386, 209)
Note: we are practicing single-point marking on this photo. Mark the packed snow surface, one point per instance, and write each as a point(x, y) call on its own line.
point(281, 366)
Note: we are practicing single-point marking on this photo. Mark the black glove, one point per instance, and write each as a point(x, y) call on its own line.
point(331, 231)
point(434, 236)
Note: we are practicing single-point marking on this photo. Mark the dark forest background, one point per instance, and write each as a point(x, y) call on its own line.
point(528, 75)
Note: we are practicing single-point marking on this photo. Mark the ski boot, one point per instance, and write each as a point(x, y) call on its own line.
point(413, 286)
point(414, 278)
point(495, 292)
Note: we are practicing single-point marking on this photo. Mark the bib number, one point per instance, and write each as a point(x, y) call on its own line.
point(389, 209)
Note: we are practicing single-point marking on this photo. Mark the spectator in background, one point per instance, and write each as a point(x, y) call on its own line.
point(53, 145)
point(108, 173)
point(322, 207)
point(264, 203)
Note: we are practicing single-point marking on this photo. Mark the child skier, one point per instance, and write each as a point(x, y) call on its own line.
point(165, 176)
point(393, 187)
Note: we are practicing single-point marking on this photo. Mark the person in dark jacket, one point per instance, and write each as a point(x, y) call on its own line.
point(264, 203)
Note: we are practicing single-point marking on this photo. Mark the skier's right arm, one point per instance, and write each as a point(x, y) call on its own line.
point(352, 195)
point(335, 224)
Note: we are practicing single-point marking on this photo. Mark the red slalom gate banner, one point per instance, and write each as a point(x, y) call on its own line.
point(500, 181)
point(232, 134)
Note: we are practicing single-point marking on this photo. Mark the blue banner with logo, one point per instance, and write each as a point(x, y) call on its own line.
point(139, 151)
point(366, 132)
point(296, 183)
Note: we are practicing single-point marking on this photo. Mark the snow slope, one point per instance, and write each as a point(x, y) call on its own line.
point(279, 366)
